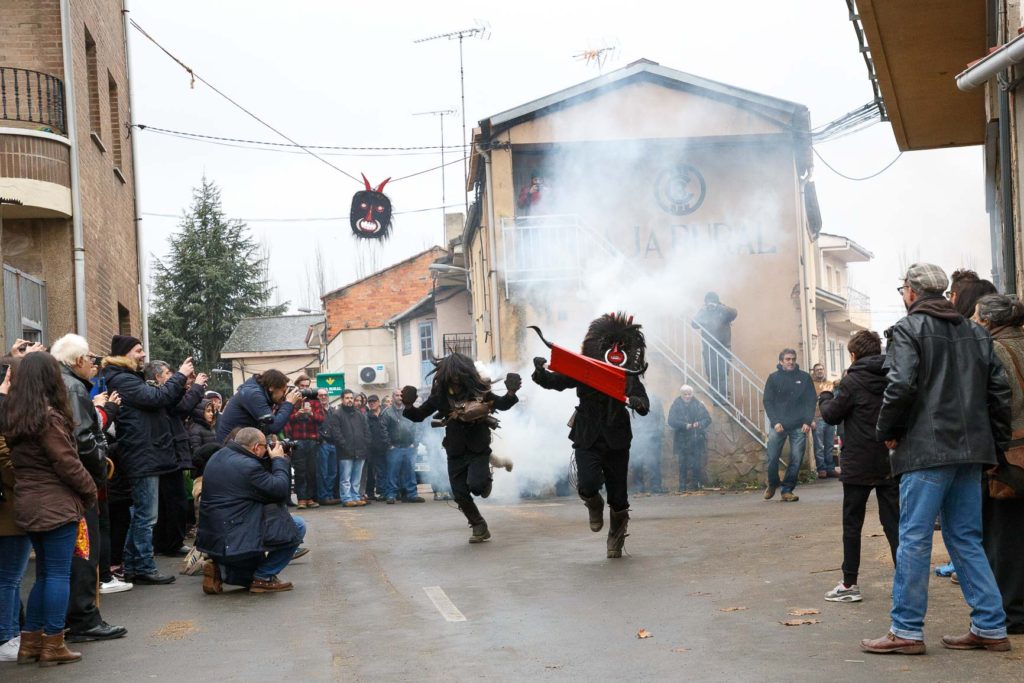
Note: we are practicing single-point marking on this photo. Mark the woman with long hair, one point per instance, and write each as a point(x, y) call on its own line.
point(14, 544)
point(53, 491)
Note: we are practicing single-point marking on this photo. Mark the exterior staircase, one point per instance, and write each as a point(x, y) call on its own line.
point(561, 249)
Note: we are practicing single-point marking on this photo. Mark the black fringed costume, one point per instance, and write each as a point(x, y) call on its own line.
point(601, 432)
point(464, 402)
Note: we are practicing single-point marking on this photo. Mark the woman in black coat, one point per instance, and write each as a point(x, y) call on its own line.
point(865, 460)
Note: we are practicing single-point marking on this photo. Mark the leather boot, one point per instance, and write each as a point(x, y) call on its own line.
point(56, 652)
point(31, 647)
point(501, 462)
point(480, 532)
point(618, 522)
point(595, 508)
point(476, 521)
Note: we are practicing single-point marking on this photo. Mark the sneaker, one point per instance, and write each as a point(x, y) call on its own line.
point(301, 505)
point(788, 497)
point(769, 492)
point(9, 650)
point(844, 593)
point(312, 504)
point(390, 501)
point(416, 499)
point(300, 552)
point(115, 585)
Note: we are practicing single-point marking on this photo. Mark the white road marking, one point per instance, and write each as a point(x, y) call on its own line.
point(443, 604)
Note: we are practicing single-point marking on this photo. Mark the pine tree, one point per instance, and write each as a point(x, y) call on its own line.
point(215, 275)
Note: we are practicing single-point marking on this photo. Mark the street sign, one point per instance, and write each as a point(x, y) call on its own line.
point(333, 382)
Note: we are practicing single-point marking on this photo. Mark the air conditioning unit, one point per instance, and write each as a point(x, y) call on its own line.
point(373, 374)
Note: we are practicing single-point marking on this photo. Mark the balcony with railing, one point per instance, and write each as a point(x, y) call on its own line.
point(848, 312)
point(459, 342)
point(32, 99)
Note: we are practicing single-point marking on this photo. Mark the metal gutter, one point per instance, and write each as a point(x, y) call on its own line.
point(985, 69)
point(140, 254)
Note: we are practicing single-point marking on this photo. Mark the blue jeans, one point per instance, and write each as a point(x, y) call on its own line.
point(138, 545)
point(824, 438)
point(14, 552)
point(349, 474)
point(797, 443)
point(955, 491)
point(48, 601)
point(399, 463)
point(327, 471)
point(273, 564)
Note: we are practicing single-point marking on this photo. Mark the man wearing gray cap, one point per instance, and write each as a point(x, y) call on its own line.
point(945, 407)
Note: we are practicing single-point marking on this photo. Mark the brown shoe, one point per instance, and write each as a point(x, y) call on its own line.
point(790, 497)
point(351, 503)
point(769, 492)
point(312, 504)
point(822, 474)
point(56, 652)
point(212, 583)
point(892, 643)
point(271, 585)
point(970, 641)
point(301, 505)
point(31, 647)
point(330, 501)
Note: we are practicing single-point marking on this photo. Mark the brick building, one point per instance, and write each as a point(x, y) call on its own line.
point(68, 237)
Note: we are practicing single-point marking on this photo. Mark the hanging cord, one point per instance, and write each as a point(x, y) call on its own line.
point(867, 177)
point(202, 136)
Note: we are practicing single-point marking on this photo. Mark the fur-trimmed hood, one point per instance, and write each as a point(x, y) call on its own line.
point(123, 362)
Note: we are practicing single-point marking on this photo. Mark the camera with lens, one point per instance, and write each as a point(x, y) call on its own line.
point(305, 393)
point(288, 445)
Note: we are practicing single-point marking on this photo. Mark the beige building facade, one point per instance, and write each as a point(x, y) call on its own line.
point(68, 229)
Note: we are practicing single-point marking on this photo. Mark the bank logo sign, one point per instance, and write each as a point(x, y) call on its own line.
point(680, 190)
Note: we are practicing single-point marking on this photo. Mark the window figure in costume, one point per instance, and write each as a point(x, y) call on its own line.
point(607, 382)
point(464, 402)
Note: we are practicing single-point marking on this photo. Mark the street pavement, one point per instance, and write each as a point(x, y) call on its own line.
point(395, 592)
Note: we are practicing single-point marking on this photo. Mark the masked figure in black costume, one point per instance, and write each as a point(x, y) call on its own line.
point(464, 402)
point(600, 430)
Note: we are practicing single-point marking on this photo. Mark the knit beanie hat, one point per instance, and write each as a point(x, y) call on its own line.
point(120, 345)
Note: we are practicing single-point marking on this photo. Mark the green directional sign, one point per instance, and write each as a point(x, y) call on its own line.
point(333, 382)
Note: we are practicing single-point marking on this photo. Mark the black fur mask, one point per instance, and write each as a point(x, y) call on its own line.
point(370, 217)
point(456, 377)
point(615, 339)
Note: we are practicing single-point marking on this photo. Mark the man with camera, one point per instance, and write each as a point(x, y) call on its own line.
point(263, 401)
point(244, 525)
point(304, 429)
point(715, 324)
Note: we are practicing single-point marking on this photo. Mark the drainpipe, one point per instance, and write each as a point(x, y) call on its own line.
point(71, 112)
point(808, 324)
point(492, 256)
point(1006, 189)
point(139, 253)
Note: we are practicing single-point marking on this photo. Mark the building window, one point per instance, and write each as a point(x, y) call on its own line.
point(24, 307)
point(426, 340)
point(406, 339)
point(115, 121)
point(93, 82)
point(124, 321)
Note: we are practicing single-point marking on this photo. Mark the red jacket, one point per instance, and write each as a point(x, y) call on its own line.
point(305, 426)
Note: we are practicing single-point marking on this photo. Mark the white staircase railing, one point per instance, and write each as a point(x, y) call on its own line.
point(560, 248)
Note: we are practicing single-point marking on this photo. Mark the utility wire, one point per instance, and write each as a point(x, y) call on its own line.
point(867, 177)
point(289, 150)
point(312, 219)
point(212, 87)
point(141, 126)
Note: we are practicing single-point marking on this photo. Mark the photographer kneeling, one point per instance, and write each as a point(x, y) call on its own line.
point(244, 526)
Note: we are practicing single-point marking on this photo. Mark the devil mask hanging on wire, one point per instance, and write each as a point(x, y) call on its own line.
point(370, 216)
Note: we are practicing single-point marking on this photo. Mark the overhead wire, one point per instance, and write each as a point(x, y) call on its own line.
point(311, 219)
point(843, 175)
point(204, 136)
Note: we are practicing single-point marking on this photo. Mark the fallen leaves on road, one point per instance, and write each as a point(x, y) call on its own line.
point(175, 630)
point(731, 609)
point(802, 612)
point(799, 622)
point(644, 633)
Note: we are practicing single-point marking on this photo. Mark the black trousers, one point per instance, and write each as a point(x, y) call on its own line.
point(691, 464)
point(304, 463)
point(172, 513)
point(83, 614)
point(602, 466)
point(376, 474)
point(120, 520)
point(855, 500)
point(1002, 522)
point(104, 551)
point(469, 475)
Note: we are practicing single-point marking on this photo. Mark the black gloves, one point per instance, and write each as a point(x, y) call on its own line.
point(637, 404)
point(539, 362)
point(513, 382)
point(409, 396)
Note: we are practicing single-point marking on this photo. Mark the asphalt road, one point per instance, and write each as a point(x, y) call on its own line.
point(396, 593)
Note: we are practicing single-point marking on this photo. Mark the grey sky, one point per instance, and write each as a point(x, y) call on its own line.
point(342, 73)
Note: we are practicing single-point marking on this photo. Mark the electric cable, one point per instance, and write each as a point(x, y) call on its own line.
point(181, 133)
point(843, 175)
point(285, 150)
point(313, 219)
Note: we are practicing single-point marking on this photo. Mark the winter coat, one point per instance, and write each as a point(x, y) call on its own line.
point(401, 431)
point(237, 486)
point(683, 413)
point(144, 431)
point(789, 398)
point(200, 433)
point(948, 399)
point(1009, 344)
point(349, 431)
point(251, 407)
point(821, 387)
point(379, 443)
point(8, 527)
point(179, 414)
point(460, 438)
point(597, 415)
point(717, 320)
point(52, 486)
point(89, 439)
point(855, 402)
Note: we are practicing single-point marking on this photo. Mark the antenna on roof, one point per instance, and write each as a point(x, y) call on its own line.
point(609, 49)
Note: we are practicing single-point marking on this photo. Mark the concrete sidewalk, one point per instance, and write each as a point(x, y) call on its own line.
point(396, 592)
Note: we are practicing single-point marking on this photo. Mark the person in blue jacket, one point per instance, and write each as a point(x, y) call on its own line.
point(253, 405)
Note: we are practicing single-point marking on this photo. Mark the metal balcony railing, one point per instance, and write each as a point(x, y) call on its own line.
point(33, 97)
point(460, 342)
point(560, 248)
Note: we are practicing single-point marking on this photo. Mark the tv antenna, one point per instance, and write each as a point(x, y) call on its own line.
point(598, 56)
point(441, 113)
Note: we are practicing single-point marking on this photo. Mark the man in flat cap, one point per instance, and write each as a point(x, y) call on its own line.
point(945, 408)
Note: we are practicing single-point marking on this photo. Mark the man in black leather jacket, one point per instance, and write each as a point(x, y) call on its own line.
point(945, 407)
